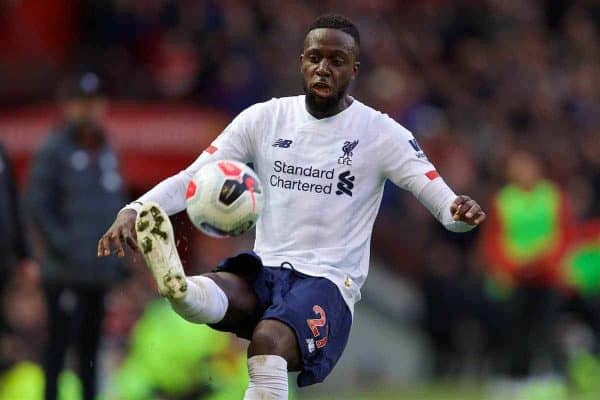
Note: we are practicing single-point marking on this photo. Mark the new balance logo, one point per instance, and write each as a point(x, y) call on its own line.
point(346, 184)
point(284, 143)
point(415, 145)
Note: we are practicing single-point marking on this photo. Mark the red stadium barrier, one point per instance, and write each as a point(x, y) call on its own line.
point(153, 140)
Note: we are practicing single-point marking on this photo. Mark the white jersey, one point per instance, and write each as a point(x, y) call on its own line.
point(323, 181)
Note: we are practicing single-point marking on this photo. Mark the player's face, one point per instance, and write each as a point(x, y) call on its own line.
point(328, 65)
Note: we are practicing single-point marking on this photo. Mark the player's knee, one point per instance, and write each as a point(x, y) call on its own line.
point(271, 337)
point(265, 341)
point(275, 338)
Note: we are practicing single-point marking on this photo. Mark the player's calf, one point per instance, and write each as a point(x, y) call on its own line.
point(205, 302)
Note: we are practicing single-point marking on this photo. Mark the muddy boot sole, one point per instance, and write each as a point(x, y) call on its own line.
point(155, 238)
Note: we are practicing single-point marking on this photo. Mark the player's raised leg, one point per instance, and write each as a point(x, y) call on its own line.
point(221, 298)
point(198, 300)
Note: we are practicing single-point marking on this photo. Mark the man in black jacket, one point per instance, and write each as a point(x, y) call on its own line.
point(14, 247)
point(75, 190)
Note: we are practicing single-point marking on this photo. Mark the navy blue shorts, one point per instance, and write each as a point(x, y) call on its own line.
point(313, 307)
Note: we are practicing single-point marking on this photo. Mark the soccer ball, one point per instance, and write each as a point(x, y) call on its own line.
point(224, 198)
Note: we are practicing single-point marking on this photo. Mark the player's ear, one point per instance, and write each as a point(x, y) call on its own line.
point(355, 69)
point(300, 60)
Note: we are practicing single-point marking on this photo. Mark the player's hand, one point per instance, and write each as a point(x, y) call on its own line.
point(121, 231)
point(467, 210)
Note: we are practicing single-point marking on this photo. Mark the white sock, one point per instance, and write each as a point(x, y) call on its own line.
point(268, 378)
point(204, 303)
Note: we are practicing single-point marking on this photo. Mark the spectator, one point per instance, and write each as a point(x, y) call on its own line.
point(522, 244)
point(75, 188)
point(143, 375)
point(14, 247)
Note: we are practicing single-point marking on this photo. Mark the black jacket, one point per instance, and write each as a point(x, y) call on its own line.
point(13, 244)
point(74, 195)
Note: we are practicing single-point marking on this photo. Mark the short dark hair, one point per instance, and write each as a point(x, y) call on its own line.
point(337, 21)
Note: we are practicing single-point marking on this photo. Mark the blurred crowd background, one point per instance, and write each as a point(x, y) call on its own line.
point(503, 96)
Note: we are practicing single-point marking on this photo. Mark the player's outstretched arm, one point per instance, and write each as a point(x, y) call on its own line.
point(170, 194)
point(465, 209)
point(457, 213)
point(120, 232)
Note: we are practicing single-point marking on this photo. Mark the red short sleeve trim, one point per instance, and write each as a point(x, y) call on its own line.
point(432, 175)
point(210, 149)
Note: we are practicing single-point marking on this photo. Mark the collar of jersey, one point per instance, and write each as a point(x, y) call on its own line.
point(311, 118)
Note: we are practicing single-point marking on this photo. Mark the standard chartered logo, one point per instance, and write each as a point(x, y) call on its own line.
point(310, 179)
point(304, 179)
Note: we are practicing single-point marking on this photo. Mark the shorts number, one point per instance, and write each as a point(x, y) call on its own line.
point(316, 323)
